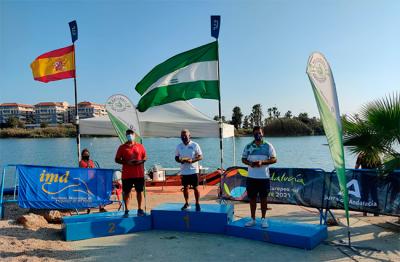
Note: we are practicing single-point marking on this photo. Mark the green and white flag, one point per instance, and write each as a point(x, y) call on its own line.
point(123, 116)
point(323, 85)
point(192, 74)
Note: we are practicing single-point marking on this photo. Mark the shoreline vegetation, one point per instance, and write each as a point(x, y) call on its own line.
point(274, 125)
point(275, 128)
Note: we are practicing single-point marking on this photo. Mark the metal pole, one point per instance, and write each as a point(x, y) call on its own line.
point(221, 144)
point(234, 150)
point(78, 135)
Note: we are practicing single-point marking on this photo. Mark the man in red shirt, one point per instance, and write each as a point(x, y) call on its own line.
point(132, 156)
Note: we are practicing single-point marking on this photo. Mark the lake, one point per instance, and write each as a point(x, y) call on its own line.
point(304, 152)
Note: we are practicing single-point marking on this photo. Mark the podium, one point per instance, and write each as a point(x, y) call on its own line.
point(281, 232)
point(104, 224)
point(212, 218)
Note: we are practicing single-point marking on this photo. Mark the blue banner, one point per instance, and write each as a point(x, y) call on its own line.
point(73, 27)
point(45, 187)
point(215, 25)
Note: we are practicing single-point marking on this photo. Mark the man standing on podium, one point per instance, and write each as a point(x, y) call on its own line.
point(132, 156)
point(188, 153)
point(258, 155)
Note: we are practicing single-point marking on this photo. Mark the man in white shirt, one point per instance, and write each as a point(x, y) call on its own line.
point(258, 155)
point(188, 153)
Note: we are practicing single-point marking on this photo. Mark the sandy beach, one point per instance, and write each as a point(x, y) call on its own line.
point(45, 243)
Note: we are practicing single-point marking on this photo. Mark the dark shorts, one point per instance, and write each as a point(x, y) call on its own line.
point(128, 183)
point(192, 180)
point(256, 187)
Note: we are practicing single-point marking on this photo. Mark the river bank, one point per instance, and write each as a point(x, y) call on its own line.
point(70, 131)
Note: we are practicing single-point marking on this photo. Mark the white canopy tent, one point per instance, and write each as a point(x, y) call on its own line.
point(163, 121)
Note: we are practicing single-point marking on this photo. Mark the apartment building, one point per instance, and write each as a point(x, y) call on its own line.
point(87, 110)
point(21, 111)
point(51, 112)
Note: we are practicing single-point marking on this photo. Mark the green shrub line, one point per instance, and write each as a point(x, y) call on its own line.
point(47, 132)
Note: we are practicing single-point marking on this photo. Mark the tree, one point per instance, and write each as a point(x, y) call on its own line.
point(216, 118)
point(303, 117)
point(13, 122)
point(288, 114)
point(269, 110)
point(237, 117)
point(375, 132)
point(44, 125)
point(246, 123)
point(275, 112)
point(256, 115)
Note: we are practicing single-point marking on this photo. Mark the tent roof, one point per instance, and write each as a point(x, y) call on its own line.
point(163, 121)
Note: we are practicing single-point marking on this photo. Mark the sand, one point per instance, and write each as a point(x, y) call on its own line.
point(46, 244)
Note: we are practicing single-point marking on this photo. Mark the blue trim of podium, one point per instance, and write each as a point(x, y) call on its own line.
point(104, 224)
point(212, 218)
point(282, 232)
point(169, 216)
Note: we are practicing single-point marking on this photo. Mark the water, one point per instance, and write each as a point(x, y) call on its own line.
point(305, 152)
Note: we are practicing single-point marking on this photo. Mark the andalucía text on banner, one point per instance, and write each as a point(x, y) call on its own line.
point(123, 116)
point(192, 74)
point(323, 86)
point(54, 65)
point(44, 187)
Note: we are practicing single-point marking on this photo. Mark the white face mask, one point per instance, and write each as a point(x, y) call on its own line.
point(130, 137)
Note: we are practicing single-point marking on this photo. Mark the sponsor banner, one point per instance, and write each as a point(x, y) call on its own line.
point(44, 187)
point(368, 192)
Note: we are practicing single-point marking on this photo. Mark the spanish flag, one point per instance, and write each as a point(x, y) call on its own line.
point(54, 65)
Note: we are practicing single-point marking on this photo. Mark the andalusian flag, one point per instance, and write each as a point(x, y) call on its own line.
point(323, 85)
point(192, 74)
point(54, 65)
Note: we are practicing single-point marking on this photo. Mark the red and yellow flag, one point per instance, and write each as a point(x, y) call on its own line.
point(54, 65)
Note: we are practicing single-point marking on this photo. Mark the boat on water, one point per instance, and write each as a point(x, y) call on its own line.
point(160, 178)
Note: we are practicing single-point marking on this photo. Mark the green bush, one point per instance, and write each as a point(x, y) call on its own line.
point(65, 131)
point(287, 127)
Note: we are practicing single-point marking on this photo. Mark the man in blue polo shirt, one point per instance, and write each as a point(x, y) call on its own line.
point(188, 153)
point(258, 155)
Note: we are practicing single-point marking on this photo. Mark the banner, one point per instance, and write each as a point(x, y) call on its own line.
point(323, 86)
point(73, 27)
point(45, 187)
point(368, 192)
point(123, 116)
point(215, 25)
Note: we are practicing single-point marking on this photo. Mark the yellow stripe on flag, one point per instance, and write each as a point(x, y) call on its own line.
point(53, 65)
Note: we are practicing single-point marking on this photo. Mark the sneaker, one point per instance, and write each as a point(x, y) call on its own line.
point(140, 212)
point(264, 223)
point(251, 223)
point(185, 206)
point(198, 208)
point(126, 213)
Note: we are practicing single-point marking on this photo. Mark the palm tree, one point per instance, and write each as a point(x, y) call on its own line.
point(375, 132)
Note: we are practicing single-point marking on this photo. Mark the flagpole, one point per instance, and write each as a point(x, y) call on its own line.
point(74, 36)
point(215, 26)
point(221, 144)
point(78, 135)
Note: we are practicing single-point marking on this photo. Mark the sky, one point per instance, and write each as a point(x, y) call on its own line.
point(264, 47)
